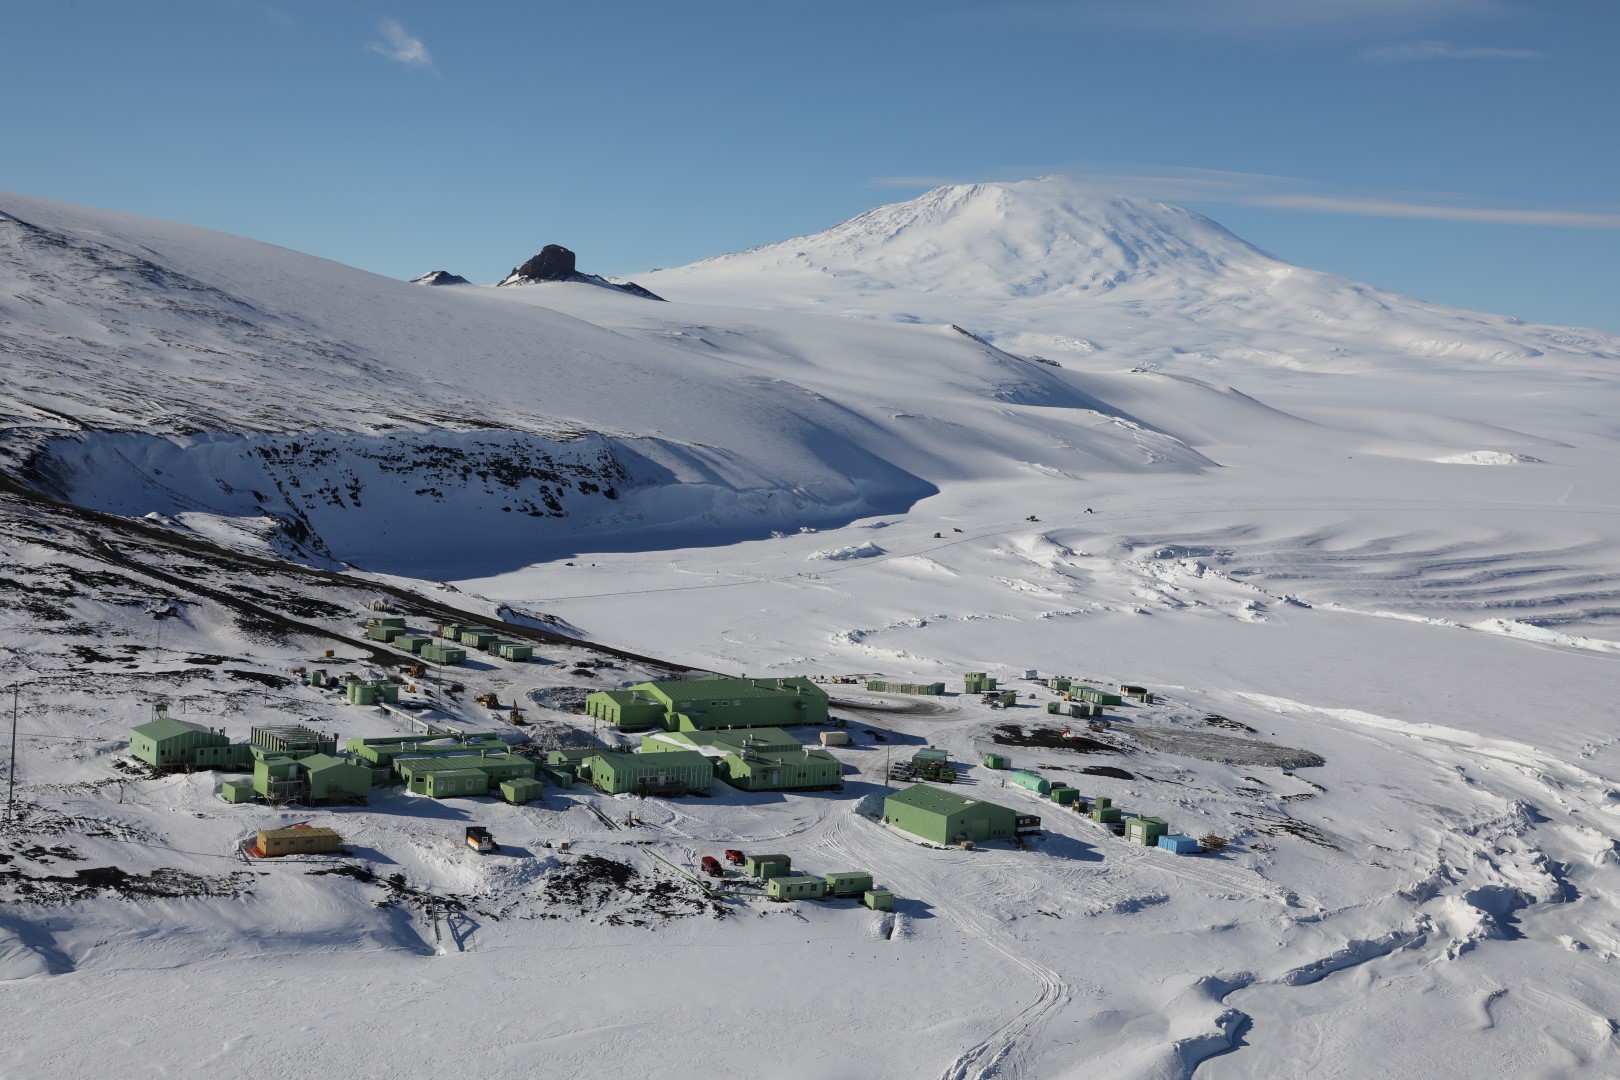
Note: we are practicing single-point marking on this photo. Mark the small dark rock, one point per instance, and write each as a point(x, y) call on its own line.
point(440, 277)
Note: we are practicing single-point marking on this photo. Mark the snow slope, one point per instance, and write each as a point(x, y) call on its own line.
point(1362, 549)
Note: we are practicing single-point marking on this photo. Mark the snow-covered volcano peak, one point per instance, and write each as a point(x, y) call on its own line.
point(1050, 235)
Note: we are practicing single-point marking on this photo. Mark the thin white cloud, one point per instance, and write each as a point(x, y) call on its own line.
point(400, 47)
point(1408, 52)
point(1192, 185)
point(1243, 17)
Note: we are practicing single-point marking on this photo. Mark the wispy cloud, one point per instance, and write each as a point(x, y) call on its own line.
point(1407, 52)
point(1204, 186)
point(401, 47)
point(1242, 17)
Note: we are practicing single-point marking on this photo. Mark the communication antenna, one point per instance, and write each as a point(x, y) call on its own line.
point(11, 783)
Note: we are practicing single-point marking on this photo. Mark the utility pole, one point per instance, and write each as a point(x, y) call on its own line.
point(11, 784)
point(886, 767)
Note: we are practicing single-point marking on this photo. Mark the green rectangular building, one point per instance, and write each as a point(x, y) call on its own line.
point(334, 779)
point(848, 883)
point(943, 817)
point(167, 743)
point(520, 791)
point(795, 887)
point(443, 654)
point(412, 643)
point(627, 710)
point(515, 650)
point(766, 866)
point(441, 780)
point(1146, 830)
point(675, 772)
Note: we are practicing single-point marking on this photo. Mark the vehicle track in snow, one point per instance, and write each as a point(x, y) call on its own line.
point(1001, 1053)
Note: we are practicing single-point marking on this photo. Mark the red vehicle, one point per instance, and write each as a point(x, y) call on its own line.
point(711, 866)
point(736, 857)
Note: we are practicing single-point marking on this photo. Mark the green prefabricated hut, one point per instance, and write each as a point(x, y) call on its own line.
point(236, 791)
point(168, 743)
point(1096, 696)
point(412, 643)
point(943, 817)
point(997, 761)
point(1107, 815)
point(334, 779)
point(878, 899)
point(848, 883)
point(478, 637)
point(443, 654)
point(766, 866)
point(384, 633)
point(514, 650)
point(929, 755)
point(675, 772)
point(1063, 795)
point(795, 887)
point(1146, 830)
point(394, 622)
point(520, 791)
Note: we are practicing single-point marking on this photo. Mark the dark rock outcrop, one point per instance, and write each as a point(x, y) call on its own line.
point(556, 263)
point(440, 277)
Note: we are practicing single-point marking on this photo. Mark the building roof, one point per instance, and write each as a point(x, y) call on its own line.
point(618, 760)
point(167, 727)
point(316, 762)
point(444, 774)
point(730, 689)
point(936, 800)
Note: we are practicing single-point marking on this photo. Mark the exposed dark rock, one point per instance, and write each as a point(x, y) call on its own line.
point(441, 277)
point(556, 263)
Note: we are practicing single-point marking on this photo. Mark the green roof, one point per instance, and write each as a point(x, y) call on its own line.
point(167, 727)
point(730, 689)
point(442, 774)
point(935, 799)
point(326, 761)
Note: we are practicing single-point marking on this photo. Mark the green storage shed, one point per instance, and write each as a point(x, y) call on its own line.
point(514, 650)
point(943, 817)
point(1032, 781)
point(236, 791)
point(1146, 830)
point(997, 761)
point(628, 710)
point(766, 866)
point(878, 899)
point(521, 790)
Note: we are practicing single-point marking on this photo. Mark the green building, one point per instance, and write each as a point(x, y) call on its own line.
point(848, 883)
point(167, 743)
point(767, 866)
point(997, 761)
point(276, 778)
point(412, 643)
point(443, 654)
point(236, 791)
point(513, 650)
point(878, 899)
point(675, 772)
point(943, 817)
point(756, 759)
point(629, 710)
point(291, 740)
point(442, 779)
point(1146, 830)
point(711, 703)
point(795, 887)
point(520, 791)
point(334, 779)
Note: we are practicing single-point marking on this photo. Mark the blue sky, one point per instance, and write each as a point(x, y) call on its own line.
point(1464, 151)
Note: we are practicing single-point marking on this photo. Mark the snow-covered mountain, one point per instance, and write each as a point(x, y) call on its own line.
point(1363, 551)
point(1055, 267)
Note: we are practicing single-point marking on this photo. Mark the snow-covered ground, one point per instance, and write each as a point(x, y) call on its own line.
point(1348, 526)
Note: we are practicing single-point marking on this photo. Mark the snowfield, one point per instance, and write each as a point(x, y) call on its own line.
point(997, 428)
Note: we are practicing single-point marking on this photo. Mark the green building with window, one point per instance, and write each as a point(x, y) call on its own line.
point(671, 773)
point(756, 759)
point(167, 743)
